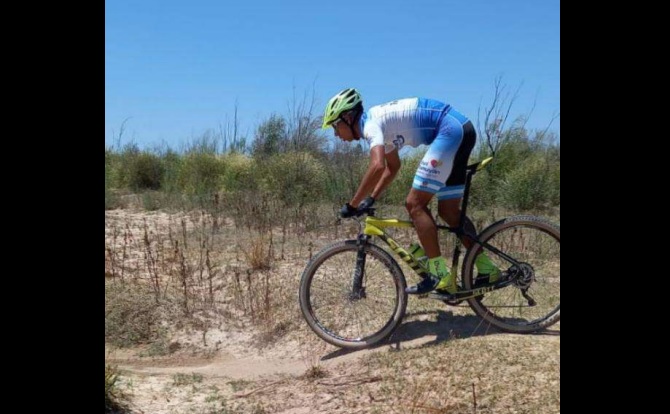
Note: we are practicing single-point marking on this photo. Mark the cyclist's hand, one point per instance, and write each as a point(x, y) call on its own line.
point(347, 211)
point(367, 203)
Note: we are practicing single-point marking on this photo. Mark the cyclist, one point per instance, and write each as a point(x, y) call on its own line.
point(413, 121)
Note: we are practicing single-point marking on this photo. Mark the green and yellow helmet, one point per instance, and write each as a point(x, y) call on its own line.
point(340, 103)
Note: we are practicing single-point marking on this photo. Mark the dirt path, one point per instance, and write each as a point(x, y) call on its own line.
point(237, 356)
point(238, 373)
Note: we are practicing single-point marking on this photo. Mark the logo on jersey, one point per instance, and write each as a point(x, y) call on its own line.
point(398, 141)
point(425, 167)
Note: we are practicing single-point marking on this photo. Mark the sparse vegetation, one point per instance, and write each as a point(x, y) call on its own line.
point(132, 315)
point(186, 379)
point(525, 175)
point(116, 401)
point(213, 239)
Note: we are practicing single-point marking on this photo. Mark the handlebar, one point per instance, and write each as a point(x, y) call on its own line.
point(370, 211)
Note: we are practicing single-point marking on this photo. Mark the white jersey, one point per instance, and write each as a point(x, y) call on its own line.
point(410, 121)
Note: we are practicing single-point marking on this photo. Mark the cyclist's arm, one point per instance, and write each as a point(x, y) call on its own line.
point(392, 167)
point(372, 176)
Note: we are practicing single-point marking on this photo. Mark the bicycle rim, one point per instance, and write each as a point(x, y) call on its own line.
point(535, 243)
point(327, 304)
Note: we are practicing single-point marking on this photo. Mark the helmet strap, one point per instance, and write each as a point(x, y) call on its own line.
point(357, 118)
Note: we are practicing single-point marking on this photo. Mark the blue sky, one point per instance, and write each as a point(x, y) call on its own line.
point(177, 68)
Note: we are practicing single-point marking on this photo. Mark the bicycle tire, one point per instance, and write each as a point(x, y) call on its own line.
point(384, 279)
point(535, 241)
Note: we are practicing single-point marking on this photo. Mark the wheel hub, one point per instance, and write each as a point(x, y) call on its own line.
point(524, 275)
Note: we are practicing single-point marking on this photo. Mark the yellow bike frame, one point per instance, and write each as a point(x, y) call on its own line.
point(374, 227)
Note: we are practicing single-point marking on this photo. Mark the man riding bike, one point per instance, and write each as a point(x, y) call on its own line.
point(412, 122)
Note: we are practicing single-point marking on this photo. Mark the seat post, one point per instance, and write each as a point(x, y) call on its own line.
point(466, 196)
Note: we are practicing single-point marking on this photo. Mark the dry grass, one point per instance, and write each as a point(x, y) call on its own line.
point(259, 252)
point(481, 374)
point(173, 273)
point(116, 401)
point(132, 315)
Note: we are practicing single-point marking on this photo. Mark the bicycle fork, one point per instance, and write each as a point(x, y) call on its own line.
point(357, 288)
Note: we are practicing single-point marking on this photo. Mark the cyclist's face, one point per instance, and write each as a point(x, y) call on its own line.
point(343, 131)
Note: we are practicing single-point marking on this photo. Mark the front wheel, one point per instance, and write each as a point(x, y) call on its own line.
point(350, 298)
point(530, 301)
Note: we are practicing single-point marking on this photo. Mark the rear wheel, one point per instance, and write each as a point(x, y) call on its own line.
point(531, 301)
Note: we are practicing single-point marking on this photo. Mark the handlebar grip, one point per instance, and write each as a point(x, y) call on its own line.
point(370, 211)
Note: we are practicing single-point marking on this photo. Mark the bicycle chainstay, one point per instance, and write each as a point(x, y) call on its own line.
point(462, 295)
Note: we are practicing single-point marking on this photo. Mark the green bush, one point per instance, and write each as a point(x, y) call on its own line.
point(296, 178)
point(531, 186)
point(172, 164)
point(200, 174)
point(153, 200)
point(146, 172)
point(134, 169)
point(239, 173)
point(345, 167)
point(525, 173)
point(484, 190)
point(111, 159)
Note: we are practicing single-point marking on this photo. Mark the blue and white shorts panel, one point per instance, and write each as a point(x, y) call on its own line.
point(436, 165)
point(426, 184)
point(448, 193)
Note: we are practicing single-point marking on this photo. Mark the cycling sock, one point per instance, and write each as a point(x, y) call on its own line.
point(486, 267)
point(438, 267)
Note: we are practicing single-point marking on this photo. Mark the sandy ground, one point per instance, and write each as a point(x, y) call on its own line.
point(225, 371)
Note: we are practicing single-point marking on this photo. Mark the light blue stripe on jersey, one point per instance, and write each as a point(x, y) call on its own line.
point(430, 111)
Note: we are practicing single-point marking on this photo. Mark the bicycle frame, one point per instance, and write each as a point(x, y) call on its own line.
point(375, 227)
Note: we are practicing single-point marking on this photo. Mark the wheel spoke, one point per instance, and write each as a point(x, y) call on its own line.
point(535, 245)
point(328, 307)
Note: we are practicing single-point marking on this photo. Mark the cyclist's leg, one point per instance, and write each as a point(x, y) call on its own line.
point(426, 229)
point(450, 197)
point(449, 210)
point(433, 171)
point(417, 207)
point(451, 194)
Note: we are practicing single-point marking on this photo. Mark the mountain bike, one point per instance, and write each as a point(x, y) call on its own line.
point(352, 292)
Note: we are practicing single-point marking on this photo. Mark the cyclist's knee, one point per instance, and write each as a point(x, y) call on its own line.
point(414, 206)
point(410, 205)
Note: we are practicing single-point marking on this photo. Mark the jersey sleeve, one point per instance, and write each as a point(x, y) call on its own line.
point(374, 135)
